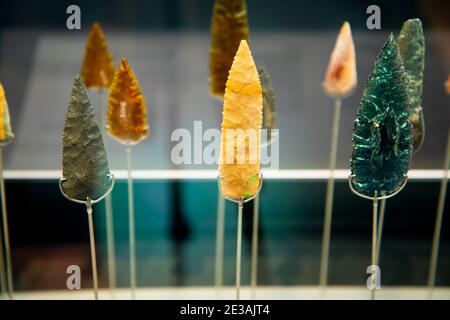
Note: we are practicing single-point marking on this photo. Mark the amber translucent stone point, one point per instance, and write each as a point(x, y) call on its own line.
point(239, 164)
point(98, 67)
point(127, 111)
point(6, 134)
point(341, 78)
point(447, 85)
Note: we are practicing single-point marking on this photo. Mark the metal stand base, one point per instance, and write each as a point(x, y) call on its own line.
point(325, 253)
point(254, 262)
point(112, 275)
point(132, 237)
point(239, 231)
point(8, 270)
point(438, 223)
point(88, 203)
point(220, 235)
point(375, 229)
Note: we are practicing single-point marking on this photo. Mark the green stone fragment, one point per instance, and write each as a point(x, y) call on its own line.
point(411, 44)
point(84, 161)
point(382, 135)
point(269, 113)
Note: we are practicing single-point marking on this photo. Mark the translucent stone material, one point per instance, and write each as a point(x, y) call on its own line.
point(241, 127)
point(229, 26)
point(341, 78)
point(382, 135)
point(98, 66)
point(447, 85)
point(6, 133)
point(84, 161)
point(127, 111)
point(269, 113)
point(411, 44)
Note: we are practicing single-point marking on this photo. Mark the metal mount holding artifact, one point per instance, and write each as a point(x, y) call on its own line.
point(240, 204)
point(88, 203)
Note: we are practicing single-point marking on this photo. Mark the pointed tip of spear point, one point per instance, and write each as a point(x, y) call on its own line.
point(346, 27)
point(243, 46)
point(391, 37)
point(96, 27)
point(124, 66)
point(243, 51)
point(78, 78)
point(96, 30)
point(413, 21)
point(345, 32)
point(243, 43)
point(124, 62)
point(78, 82)
point(390, 44)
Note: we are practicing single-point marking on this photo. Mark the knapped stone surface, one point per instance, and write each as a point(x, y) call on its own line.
point(84, 161)
point(127, 111)
point(382, 135)
point(411, 44)
point(97, 69)
point(242, 111)
point(269, 110)
point(228, 27)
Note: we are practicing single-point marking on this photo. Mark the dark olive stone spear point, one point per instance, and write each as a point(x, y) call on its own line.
point(84, 160)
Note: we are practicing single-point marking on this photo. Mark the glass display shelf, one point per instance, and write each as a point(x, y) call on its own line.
point(228, 293)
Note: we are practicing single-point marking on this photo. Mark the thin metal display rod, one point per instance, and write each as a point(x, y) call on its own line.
point(2, 264)
point(238, 251)
point(220, 234)
point(112, 275)
point(323, 278)
point(438, 223)
point(93, 253)
point(9, 270)
point(374, 245)
point(132, 237)
point(380, 229)
point(254, 263)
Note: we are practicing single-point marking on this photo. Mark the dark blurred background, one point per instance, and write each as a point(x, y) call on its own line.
point(181, 15)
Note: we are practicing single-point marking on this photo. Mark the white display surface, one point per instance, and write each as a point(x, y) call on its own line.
point(212, 174)
point(228, 293)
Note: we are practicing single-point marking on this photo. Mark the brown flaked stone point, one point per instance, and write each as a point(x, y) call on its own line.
point(228, 27)
point(127, 111)
point(97, 69)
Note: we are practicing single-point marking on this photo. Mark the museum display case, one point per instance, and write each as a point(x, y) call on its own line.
point(124, 107)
